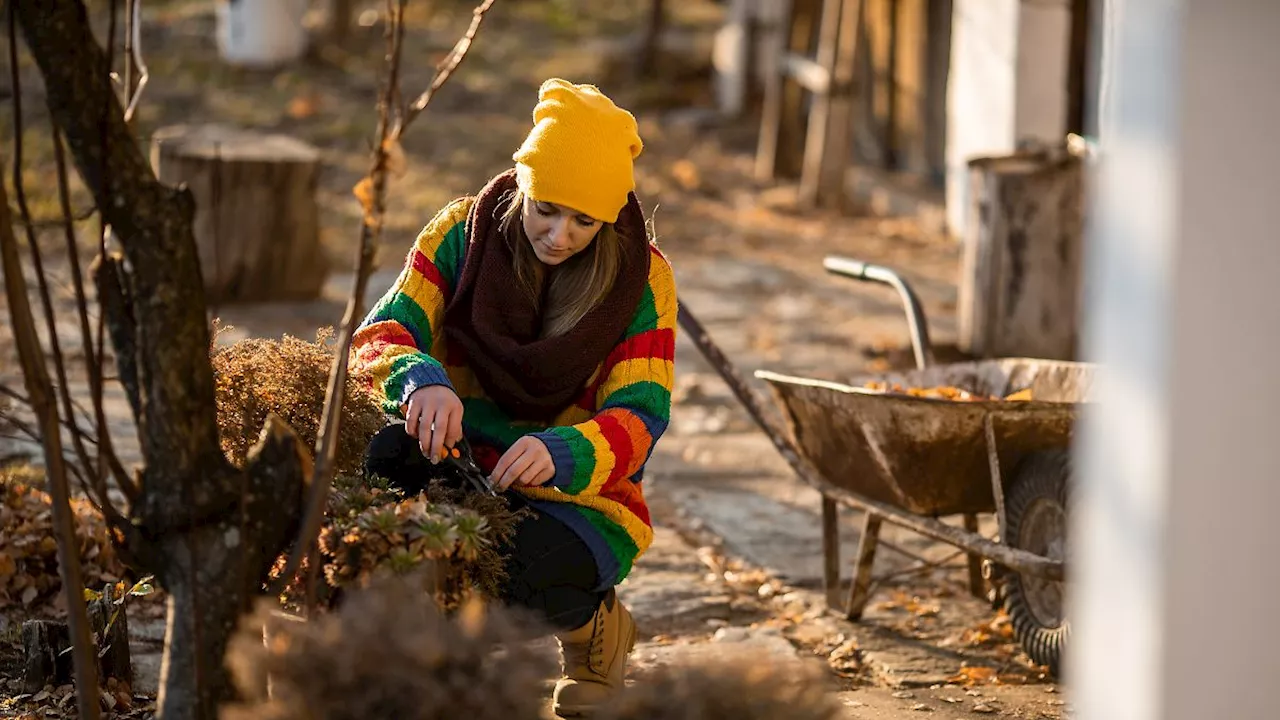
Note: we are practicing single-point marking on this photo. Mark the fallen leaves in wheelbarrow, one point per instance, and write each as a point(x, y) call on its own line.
point(945, 392)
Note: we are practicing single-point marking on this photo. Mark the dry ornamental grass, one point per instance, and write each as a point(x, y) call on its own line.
point(288, 377)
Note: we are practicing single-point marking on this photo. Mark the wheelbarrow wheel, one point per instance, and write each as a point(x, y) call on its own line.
point(1036, 513)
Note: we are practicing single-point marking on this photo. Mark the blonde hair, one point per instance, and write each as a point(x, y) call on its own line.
point(578, 285)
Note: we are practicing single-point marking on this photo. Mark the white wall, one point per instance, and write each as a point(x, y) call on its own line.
point(1176, 571)
point(1007, 82)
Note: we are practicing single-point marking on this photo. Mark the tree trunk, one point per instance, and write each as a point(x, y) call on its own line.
point(257, 223)
point(207, 530)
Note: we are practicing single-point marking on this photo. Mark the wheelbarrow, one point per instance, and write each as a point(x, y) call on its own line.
point(875, 445)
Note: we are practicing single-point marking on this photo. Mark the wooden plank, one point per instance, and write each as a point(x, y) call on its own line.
point(827, 144)
point(778, 151)
point(910, 41)
point(938, 67)
point(879, 35)
point(1078, 67)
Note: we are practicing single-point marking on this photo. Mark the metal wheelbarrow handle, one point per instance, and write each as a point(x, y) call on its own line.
point(919, 327)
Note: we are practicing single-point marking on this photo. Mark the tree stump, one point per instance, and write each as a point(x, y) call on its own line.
point(45, 644)
point(44, 662)
point(114, 660)
point(1023, 246)
point(257, 219)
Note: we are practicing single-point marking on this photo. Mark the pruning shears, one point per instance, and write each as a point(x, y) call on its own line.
point(461, 458)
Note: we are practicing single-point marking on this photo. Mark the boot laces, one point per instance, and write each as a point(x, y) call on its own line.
point(595, 649)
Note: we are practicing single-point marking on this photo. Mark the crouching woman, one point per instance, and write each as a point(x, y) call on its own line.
point(537, 319)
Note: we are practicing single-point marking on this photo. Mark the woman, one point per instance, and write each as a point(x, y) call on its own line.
point(537, 320)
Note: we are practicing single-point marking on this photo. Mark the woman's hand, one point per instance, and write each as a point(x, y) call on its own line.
point(434, 416)
point(527, 462)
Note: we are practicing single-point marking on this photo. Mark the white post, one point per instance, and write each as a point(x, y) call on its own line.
point(1175, 570)
point(1007, 84)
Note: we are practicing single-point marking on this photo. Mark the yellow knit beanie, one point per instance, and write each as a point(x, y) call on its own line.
point(580, 151)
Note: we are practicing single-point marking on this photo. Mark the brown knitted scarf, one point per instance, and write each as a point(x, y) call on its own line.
point(496, 327)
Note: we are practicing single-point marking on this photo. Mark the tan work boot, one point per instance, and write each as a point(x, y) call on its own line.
point(594, 659)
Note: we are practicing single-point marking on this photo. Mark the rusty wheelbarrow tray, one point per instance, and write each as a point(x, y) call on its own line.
point(910, 460)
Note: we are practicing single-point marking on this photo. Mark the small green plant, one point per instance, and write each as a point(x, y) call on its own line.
point(372, 531)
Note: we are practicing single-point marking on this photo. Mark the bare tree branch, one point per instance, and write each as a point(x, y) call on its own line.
point(42, 280)
point(133, 57)
point(106, 457)
point(445, 70)
point(170, 358)
point(45, 406)
point(90, 438)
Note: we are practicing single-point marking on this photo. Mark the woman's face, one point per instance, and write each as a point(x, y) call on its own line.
point(556, 232)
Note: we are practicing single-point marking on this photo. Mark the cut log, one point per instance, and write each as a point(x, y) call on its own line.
point(110, 624)
point(1023, 244)
point(45, 644)
point(257, 219)
point(44, 662)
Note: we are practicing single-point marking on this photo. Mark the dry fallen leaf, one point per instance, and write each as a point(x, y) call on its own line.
point(904, 695)
point(304, 105)
point(921, 707)
point(397, 165)
point(983, 708)
point(973, 676)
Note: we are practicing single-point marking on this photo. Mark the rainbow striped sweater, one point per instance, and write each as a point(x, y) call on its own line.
point(599, 445)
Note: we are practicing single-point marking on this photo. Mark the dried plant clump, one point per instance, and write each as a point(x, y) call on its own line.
point(371, 531)
point(388, 654)
point(728, 689)
point(28, 553)
point(288, 377)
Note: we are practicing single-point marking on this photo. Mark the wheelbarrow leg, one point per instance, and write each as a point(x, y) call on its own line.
point(977, 586)
point(861, 590)
point(830, 552)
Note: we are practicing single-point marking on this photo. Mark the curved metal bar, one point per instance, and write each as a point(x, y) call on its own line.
point(919, 327)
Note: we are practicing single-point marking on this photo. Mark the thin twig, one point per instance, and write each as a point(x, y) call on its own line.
point(370, 230)
point(99, 347)
point(57, 222)
point(106, 457)
point(42, 280)
point(39, 390)
point(23, 399)
point(445, 69)
point(133, 57)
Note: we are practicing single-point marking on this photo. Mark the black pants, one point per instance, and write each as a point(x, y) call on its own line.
point(550, 570)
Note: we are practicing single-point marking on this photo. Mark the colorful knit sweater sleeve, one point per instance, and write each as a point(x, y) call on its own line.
point(399, 342)
point(633, 396)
